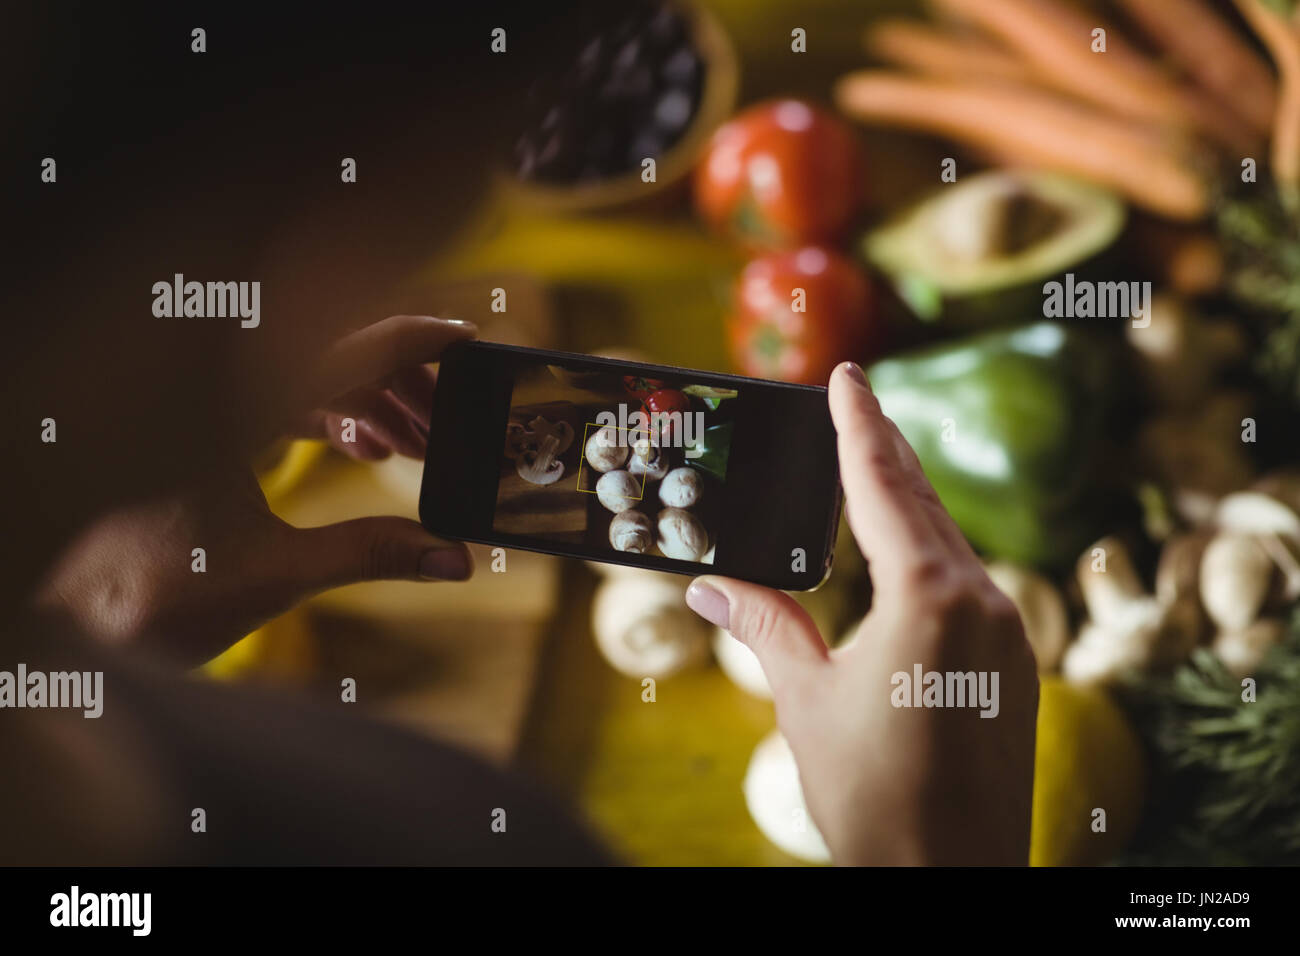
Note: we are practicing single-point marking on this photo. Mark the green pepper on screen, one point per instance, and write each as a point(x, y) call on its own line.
point(1008, 426)
point(710, 453)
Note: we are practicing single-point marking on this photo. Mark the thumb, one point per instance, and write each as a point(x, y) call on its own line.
point(771, 623)
point(375, 549)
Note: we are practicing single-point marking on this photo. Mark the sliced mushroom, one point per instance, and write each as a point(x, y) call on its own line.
point(681, 488)
point(542, 444)
point(631, 531)
point(618, 491)
point(606, 450)
point(682, 535)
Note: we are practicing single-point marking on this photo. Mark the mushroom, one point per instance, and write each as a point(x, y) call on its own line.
point(774, 796)
point(1254, 512)
point(1042, 611)
point(740, 664)
point(1236, 578)
point(1242, 651)
point(631, 531)
point(643, 627)
point(1128, 628)
point(681, 488)
point(618, 491)
point(606, 449)
point(539, 447)
point(1108, 589)
point(682, 535)
point(648, 459)
point(1271, 517)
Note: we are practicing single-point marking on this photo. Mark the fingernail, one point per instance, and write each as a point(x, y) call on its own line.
point(467, 325)
point(855, 373)
point(445, 564)
point(709, 603)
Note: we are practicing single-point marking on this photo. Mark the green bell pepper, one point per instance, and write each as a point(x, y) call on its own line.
point(1008, 426)
point(711, 451)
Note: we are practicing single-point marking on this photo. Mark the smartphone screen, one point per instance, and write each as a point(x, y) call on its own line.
point(649, 466)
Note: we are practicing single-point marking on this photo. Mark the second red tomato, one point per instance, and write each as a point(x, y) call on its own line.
point(798, 314)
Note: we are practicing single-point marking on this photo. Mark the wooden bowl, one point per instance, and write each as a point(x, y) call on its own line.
point(717, 101)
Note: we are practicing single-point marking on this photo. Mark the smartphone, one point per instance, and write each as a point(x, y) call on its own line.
point(646, 466)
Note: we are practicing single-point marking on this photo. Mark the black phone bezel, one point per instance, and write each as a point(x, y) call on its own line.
point(462, 468)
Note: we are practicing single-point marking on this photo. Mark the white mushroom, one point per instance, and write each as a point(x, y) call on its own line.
point(539, 449)
point(682, 535)
point(740, 664)
point(1107, 579)
point(1254, 512)
point(681, 488)
point(618, 491)
point(606, 450)
point(643, 627)
point(1236, 577)
point(631, 531)
point(1268, 513)
point(1042, 611)
point(1129, 629)
point(1102, 653)
point(648, 459)
point(1241, 651)
point(774, 796)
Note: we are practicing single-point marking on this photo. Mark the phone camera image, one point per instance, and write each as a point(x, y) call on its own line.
point(617, 463)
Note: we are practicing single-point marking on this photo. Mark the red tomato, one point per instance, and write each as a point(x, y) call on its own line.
point(780, 175)
point(771, 338)
point(665, 401)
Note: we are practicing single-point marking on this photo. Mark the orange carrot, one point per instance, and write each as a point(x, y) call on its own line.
point(1283, 41)
point(1037, 129)
point(1058, 40)
point(1209, 49)
point(911, 44)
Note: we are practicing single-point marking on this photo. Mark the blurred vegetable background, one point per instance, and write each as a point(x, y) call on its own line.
point(895, 183)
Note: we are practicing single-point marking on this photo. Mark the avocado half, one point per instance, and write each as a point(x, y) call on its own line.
point(980, 250)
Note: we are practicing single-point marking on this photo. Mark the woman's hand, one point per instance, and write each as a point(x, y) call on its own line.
point(129, 578)
point(886, 783)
